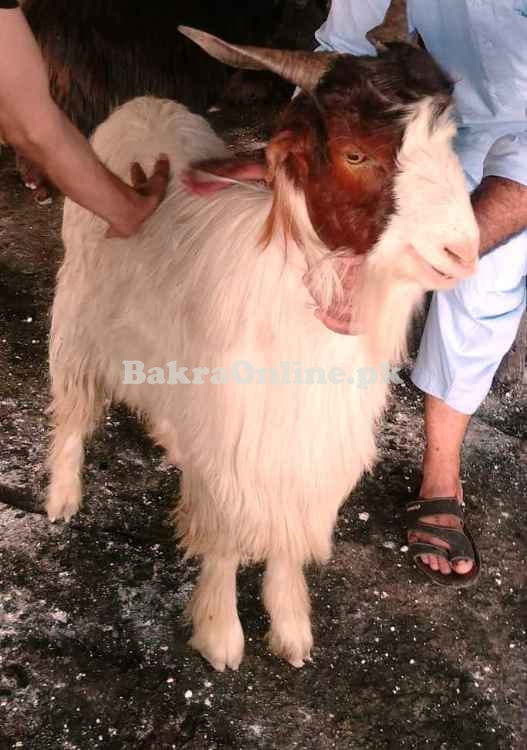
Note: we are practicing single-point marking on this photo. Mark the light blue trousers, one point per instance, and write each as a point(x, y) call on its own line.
point(470, 328)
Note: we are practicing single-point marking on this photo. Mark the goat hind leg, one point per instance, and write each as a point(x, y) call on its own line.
point(286, 598)
point(218, 634)
point(75, 415)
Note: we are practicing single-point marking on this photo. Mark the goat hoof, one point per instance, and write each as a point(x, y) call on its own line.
point(47, 201)
point(221, 646)
point(43, 196)
point(63, 503)
point(292, 643)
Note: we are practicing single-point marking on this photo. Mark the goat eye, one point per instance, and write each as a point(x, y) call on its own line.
point(355, 158)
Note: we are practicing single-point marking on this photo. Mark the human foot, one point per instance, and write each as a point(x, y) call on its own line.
point(439, 543)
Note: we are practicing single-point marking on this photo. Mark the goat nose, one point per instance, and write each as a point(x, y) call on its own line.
point(465, 251)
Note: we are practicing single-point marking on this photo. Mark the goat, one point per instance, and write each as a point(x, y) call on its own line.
point(361, 162)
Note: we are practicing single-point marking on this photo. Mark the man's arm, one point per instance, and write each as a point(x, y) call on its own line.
point(500, 201)
point(31, 122)
point(500, 206)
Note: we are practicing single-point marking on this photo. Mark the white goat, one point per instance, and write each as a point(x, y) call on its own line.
point(266, 465)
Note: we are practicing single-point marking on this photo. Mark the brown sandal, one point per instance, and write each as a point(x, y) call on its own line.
point(460, 542)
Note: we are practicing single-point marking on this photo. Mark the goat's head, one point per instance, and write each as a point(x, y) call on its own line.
point(369, 143)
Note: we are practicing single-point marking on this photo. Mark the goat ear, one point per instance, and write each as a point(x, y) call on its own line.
point(210, 176)
point(287, 150)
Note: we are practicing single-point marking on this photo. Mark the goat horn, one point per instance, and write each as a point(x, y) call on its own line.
point(304, 69)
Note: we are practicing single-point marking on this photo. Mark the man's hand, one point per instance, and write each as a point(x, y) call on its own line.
point(33, 124)
point(341, 316)
point(150, 191)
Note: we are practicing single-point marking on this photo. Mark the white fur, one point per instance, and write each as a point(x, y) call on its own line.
point(266, 466)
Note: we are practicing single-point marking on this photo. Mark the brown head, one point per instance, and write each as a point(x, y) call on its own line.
point(340, 142)
point(362, 129)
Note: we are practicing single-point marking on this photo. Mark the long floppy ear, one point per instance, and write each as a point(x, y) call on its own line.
point(303, 69)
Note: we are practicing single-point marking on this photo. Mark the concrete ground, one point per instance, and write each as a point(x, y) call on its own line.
point(92, 634)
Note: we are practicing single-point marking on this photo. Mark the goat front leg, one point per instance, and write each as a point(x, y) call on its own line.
point(286, 598)
point(218, 634)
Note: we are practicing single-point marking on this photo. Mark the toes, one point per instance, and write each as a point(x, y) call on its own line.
point(437, 563)
point(464, 567)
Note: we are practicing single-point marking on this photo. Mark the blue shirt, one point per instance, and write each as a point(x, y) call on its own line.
point(482, 44)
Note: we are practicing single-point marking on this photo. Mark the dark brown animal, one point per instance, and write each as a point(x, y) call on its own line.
point(101, 53)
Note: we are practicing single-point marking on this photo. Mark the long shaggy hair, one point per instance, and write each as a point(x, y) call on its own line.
point(255, 308)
